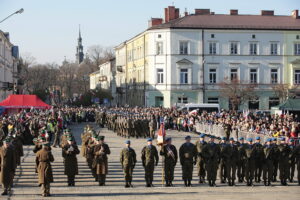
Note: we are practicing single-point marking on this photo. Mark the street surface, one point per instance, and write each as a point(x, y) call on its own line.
point(26, 186)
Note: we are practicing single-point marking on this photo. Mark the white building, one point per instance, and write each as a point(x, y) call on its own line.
point(9, 55)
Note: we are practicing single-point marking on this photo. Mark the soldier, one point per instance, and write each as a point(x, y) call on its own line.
point(284, 155)
point(296, 154)
point(69, 152)
point(232, 162)
point(276, 159)
point(169, 152)
point(43, 159)
point(211, 155)
point(241, 160)
point(91, 143)
point(292, 160)
point(128, 162)
point(249, 162)
point(8, 165)
point(152, 127)
point(227, 130)
point(223, 160)
point(269, 154)
point(188, 158)
point(200, 160)
point(100, 163)
point(149, 159)
point(259, 157)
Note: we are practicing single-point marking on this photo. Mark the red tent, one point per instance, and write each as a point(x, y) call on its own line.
point(24, 101)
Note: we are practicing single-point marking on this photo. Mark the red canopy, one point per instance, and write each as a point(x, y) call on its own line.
point(24, 101)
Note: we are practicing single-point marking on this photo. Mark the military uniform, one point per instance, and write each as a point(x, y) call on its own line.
point(241, 161)
point(188, 157)
point(296, 154)
point(284, 168)
point(249, 164)
point(268, 167)
point(149, 159)
point(43, 159)
point(200, 160)
point(69, 152)
point(169, 153)
point(128, 161)
point(223, 161)
point(259, 157)
point(231, 163)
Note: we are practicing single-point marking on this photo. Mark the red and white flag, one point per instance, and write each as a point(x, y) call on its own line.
point(161, 134)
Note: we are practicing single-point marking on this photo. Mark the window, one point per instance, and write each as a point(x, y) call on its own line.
point(274, 76)
point(183, 76)
point(254, 104)
point(297, 49)
point(274, 49)
point(212, 75)
point(159, 35)
point(297, 76)
point(212, 35)
point(213, 100)
point(233, 48)
point(273, 101)
point(183, 46)
point(159, 48)
point(182, 100)
point(297, 37)
point(253, 75)
point(160, 76)
point(233, 74)
point(253, 36)
point(253, 49)
point(212, 48)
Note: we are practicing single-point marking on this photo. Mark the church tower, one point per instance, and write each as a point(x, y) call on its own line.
point(79, 50)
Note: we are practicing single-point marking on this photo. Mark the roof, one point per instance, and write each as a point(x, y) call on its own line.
point(222, 21)
point(290, 104)
point(95, 73)
point(24, 101)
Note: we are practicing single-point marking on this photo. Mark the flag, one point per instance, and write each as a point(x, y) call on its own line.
point(161, 134)
point(193, 112)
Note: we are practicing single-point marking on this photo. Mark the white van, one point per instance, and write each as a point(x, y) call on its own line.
point(208, 107)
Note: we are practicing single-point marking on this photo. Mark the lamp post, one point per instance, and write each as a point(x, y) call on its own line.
point(17, 12)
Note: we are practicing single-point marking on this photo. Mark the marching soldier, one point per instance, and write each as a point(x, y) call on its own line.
point(169, 152)
point(91, 143)
point(8, 165)
point(128, 162)
point(250, 162)
point(232, 162)
point(149, 159)
point(200, 160)
point(284, 155)
point(292, 160)
point(296, 154)
point(269, 154)
point(188, 157)
point(100, 163)
point(241, 160)
point(69, 152)
point(259, 157)
point(276, 159)
point(211, 155)
point(43, 159)
point(152, 127)
point(223, 160)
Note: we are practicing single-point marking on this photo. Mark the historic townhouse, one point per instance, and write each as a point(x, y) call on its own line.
point(184, 59)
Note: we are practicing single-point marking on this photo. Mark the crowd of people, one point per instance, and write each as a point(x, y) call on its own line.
point(244, 159)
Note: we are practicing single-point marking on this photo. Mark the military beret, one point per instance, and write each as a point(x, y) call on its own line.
point(7, 140)
point(241, 138)
point(231, 138)
point(212, 136)
point(149, 139)
point(202, 135)
point(101, 137)
point(187, 137)
point(168, 139)
point(70, 138)
point(127, 142)
point(269, 140)
point(257, 138)
point(249, 139)
point(46, 144)
point(223, 138)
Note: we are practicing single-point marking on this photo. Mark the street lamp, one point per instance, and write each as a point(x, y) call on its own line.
point(17, 12)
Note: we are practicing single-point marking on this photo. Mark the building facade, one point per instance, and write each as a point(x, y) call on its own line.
point(9, 59)
point(186, 59)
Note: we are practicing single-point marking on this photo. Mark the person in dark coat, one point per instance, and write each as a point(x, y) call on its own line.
point(284, 165)
point(170, 157)
point(69, 152)
point(268, 167)
point(250, 162)
point(149, 159)
point(188, 158)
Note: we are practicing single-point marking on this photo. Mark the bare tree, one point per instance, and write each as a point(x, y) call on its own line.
point(67, 78)
point(285, 91)
point(237, 91)
point(99, 54)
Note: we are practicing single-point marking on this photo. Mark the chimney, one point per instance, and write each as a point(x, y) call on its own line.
point(212, 13)
point(267, 13)
point(234, 12)
point(171, 13)
point(202, 11)
point(295, 14)
point(155, 22)
point(186, 12)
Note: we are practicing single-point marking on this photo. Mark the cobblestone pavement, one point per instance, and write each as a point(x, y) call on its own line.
point(86, 188)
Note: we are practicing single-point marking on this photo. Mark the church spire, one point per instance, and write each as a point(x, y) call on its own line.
point(79, 49)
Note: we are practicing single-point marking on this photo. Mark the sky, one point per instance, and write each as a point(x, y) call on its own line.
point(48, 29)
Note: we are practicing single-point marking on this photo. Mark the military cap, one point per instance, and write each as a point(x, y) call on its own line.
point(46, 144)
point(149, 139)
point(269, 140)
point(168, 139)
point(257, 138)
point(187, 137)
point(7, 140)
point(241, 138)
point(127, 142)
point(70, 138)
point(223, 138)
point(231, 138)
point(212, 136)
point(249, 139)
point(202, 135)
point(101, 137)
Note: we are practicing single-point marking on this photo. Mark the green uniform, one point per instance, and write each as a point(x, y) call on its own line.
point(69, 153)
point(128, 161)
point(259, 157)
point(268, 164)
point(296, 154)
point(200, 160)
point(211, 155)
point(241, 162)
point(188, 157)
point(231, 163)
point(149, 159)
point(249, 164)
point(169, 153)
point(284, 167)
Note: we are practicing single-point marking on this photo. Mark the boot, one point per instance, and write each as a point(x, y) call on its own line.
point(185, 183)
point(189, 183)
point(171, 184)
point(265, 183)
point(127, 184)
point(167, 184)
point(4, 193)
